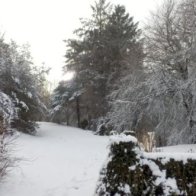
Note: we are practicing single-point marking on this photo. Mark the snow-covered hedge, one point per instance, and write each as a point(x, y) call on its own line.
point(129, 171)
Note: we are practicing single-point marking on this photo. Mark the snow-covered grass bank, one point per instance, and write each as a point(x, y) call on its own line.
point(178, 153)
point(60, 161)
point(183, 148)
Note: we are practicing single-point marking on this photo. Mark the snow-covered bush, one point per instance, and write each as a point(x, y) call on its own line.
point(7, 110)
point(129, 171)
point(7, 113)
point(6, 159)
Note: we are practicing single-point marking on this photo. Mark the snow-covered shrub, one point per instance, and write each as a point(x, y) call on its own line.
point(129, 171)
point(7, 110)
point(7, 113)
point(29, 127)
point(103, 127)
point(6, 160)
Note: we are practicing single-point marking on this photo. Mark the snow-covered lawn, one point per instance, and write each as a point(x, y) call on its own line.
point(184, 148)
point(60, 161)
point(178, 153)
point(65, 161)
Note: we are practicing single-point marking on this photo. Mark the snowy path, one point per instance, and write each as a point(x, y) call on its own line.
point(61, 161)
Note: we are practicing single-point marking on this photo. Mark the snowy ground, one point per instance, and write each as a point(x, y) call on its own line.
point(65, 161)
point(190, 148)
point(178, 153)
point(60, 161)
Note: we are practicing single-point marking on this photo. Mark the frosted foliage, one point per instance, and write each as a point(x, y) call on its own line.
point(63, 102)
point(6, 107)
point(165, 93)
point(116, 139)
point(125, 102)
point(24, 83)
point(164, 99)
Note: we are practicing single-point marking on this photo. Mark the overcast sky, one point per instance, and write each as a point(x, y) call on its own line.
point(44, 24)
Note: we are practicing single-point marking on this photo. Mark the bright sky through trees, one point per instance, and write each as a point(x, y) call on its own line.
point(44, 24)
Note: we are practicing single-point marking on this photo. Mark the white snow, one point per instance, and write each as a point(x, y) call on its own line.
point(57, 108)
point(59, 161)
point(125, 189)
point(183, 148)
point(169, 184)
point(178, 153)
point(66, 161)
point(24, 105)
point(29, 94)
point(122, 138)
point(6, 107)
point(165, 157)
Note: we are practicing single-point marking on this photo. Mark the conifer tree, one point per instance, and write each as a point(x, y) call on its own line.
point(65, 103)
point(86, 56)
point(20, 81)
point(107, 47)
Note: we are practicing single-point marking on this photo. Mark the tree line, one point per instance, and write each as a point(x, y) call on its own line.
point(127, 78)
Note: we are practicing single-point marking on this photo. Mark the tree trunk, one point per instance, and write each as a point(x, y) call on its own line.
point(78, 110)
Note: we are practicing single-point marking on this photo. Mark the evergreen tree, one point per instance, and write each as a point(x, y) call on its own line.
point(124, 58)
point(65, 103)
point(86, 56)
point(108, 47)
point(19, 80)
